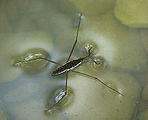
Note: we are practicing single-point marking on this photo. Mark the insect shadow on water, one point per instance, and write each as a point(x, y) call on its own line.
point(70, 65)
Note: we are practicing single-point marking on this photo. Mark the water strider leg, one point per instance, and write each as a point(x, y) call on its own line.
point(66, 83)
point(43, 59)
point(76, 39)
point(87, 75)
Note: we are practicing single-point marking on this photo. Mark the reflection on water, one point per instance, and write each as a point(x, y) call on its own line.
point(50, 27)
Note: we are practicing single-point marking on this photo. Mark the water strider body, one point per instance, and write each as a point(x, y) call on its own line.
point(69, 66)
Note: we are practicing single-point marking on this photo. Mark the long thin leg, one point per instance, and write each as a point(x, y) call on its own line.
point(42, 59)
point(77, 34)
point(50, 61)
point(66, 82)
point(98, 80)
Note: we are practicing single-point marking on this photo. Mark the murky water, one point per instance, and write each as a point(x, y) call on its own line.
point(46, 28)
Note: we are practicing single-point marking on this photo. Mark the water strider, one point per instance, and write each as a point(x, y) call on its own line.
point(69, 66)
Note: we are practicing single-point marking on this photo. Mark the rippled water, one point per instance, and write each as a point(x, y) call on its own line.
point(26, 89)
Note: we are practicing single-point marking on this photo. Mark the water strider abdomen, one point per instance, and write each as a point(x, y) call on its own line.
point(68, 66)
